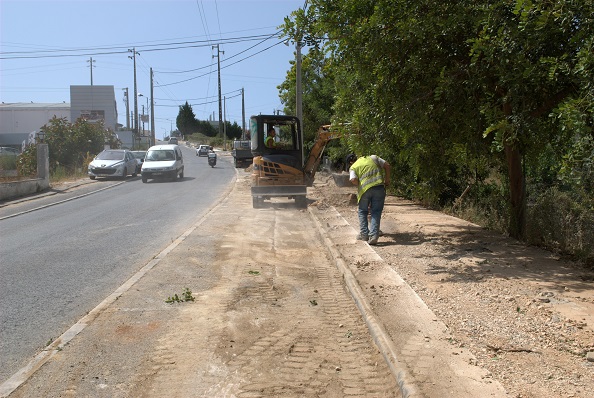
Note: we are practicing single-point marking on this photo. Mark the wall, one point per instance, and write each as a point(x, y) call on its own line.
point(94, 103)
point(11, 190)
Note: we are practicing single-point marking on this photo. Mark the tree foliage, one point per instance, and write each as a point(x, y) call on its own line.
point(459, 93)
point(69, 143)
point(187, 124)
point(186, 120)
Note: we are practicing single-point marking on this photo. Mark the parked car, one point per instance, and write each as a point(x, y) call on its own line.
point(163, 161)
point(203, 150)
point(113, 163)
point(139, 156)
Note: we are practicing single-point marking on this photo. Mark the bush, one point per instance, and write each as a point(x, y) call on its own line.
point(485, 205)
point(558, 221)
point(27, 161)
point(8, 163)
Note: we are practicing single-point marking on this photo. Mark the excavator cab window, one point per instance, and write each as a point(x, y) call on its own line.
point(284, 139)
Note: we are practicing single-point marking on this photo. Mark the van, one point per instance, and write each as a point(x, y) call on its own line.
point(173, 141)
point(163, 162)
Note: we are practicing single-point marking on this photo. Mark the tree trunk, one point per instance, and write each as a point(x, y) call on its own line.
point(517, 189)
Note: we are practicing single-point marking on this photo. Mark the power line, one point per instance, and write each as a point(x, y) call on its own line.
point(60, 53)
point(223, 67)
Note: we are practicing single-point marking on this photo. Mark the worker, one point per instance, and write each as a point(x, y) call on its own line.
point(270, 142)
point(371, 174)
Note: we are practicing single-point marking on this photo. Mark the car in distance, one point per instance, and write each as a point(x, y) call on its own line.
point(173, 141)
point(163, 161)
point(113, 163)
point(203, 150)
point(139, 156)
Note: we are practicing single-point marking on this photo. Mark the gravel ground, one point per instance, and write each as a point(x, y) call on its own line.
point(526, 314)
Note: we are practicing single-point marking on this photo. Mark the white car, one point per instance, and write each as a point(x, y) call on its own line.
point(203, 150)
point(163, 162)
point(113, 163)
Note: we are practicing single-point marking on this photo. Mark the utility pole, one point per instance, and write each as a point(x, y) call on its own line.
point(91, 65)
point(153, 139)
point(220, 100)
point(127, 99)
point(143, 116)
point(225, 124)
point(133, 57)
point(242, 115)
point(298, 99)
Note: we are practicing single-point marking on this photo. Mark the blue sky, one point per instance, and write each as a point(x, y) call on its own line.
point(46, 46)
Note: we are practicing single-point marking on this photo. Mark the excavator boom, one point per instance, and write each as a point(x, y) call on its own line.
point(324, 135)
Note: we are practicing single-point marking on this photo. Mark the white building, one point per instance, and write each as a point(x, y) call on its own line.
point(19, 120)
point(94, 103)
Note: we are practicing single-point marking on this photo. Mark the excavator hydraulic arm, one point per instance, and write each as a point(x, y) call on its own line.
point(324, 135)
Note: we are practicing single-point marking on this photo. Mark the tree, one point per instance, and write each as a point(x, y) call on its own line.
point(69, 143)
point(531, 60)
point(233, 131)
point(451, 92)
point(186, 120)
point(204, 127)
point(318, 92)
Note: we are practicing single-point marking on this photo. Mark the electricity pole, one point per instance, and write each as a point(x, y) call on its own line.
point(127, 99)
point(220, 99)
point(298, 99)
point(152, 112)
point(91, 65)
point(242, 115)
point(133, 57)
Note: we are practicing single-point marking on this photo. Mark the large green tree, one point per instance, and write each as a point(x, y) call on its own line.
point(186, 120)
point(450, 91)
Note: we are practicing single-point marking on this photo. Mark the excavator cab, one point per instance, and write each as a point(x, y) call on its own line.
point(280, 168)
point(276, 144)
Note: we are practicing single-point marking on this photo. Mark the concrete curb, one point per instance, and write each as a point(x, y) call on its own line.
point(379, 335)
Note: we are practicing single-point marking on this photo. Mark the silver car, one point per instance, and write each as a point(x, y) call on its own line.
point(113, 163)
point(139, 155)
point(203, 150)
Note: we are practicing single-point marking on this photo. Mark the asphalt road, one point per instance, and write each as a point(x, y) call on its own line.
point(59, 260)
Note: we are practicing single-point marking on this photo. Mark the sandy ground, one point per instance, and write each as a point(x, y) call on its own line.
point(267, 312)
point(526, 314)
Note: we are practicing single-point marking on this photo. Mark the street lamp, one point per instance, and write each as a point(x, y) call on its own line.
point(143, 114)
point(41, 136)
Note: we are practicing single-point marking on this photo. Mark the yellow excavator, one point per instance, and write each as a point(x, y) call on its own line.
point(279, 169)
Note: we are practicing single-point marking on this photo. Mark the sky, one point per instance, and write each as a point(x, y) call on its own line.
point(46, 46)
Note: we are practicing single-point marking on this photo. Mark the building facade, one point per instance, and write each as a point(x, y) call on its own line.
point(19, 122)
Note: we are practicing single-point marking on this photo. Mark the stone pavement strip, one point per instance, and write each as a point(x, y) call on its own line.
point(417, 350)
